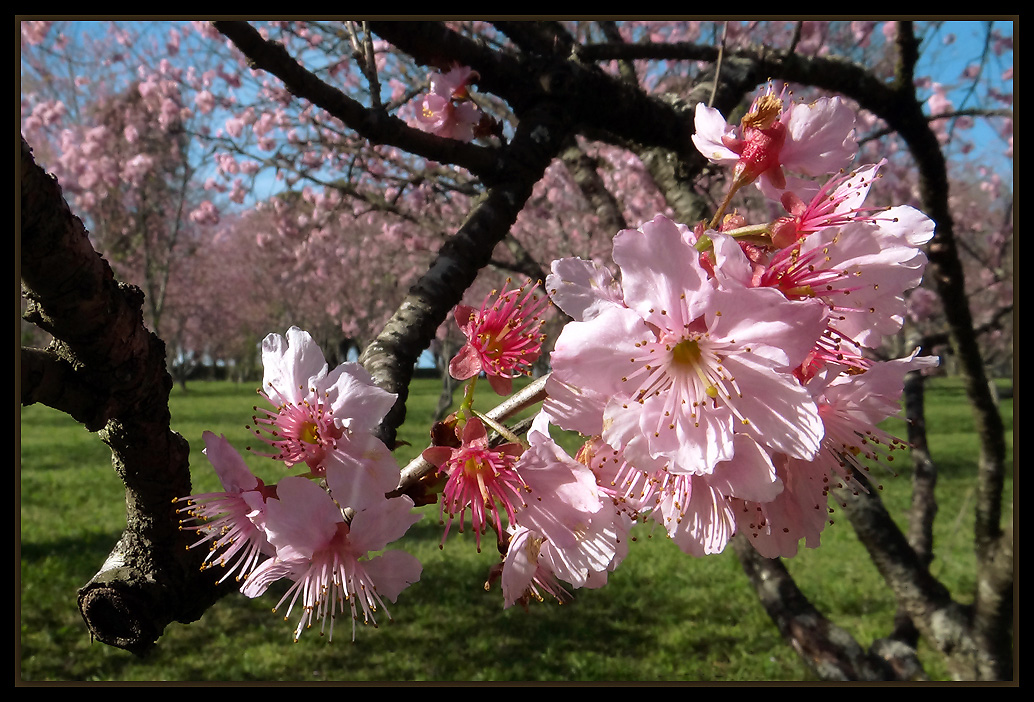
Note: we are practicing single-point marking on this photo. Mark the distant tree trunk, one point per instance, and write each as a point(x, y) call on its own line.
point(924, 502)
point(441, 359)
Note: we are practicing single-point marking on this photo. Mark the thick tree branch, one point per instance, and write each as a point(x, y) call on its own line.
point(946, 267)
point(149, 580)
point(593, 101)
point(540, 37)
point(924, 501)
point(583, 170)
point(374, 125)
point(392, 355)
point(50, 379)
point(828, 650)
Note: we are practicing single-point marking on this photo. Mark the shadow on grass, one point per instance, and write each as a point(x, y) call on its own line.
point(80, 554)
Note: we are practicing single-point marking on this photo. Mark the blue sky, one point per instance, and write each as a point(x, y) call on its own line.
point(945, 63)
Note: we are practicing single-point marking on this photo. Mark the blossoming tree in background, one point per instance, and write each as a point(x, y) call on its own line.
point(719, 302)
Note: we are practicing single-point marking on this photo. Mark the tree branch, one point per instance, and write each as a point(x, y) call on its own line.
point(150, 579)
point(391, 356)
point(592, 100)
point(372, 124)
point(828, 650)
point(583, 170)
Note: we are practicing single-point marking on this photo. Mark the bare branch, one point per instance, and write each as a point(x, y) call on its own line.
point(373, 124)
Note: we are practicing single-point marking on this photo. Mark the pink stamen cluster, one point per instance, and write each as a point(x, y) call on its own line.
point(300, 431)
point(478, 477)
point(503, 337)
point(834, 205)
point(221, 518)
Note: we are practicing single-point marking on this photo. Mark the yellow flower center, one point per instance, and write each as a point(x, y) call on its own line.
point(686, 353)
point(309, 434)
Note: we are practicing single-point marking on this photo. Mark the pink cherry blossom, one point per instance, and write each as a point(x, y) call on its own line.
point(582, 289)
point(574, 408)
point(776, 527)
point(686, 363)
point(479, 477)
point(697, 511)
point(523, 574)
point(534, 564)
point(231, 521)
point(455, 83)
point(581, 533)
point(205, 214)
point(325, 418)
point(858, 261)
point(205, 101)
point(329, 558)
point(503, 337)
point(861, 270)
point(851, 405)
point(812, 139)
point(836, 203)
point(447, 110)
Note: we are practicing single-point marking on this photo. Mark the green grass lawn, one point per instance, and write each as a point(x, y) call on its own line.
point(663, 616)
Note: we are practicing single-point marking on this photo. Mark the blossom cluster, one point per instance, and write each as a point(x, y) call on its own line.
point(725, 385)
point(723, 382)
point(317, 528)
point(558, 528)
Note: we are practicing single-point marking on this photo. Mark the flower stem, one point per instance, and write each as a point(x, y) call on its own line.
point(468, 402)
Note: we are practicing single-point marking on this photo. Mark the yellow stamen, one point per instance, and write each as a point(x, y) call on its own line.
point(769, 107)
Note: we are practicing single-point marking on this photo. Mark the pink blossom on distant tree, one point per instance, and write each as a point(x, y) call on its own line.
point(36, 31)
point(447, 110)
point(205, 101)
point(205, 214)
